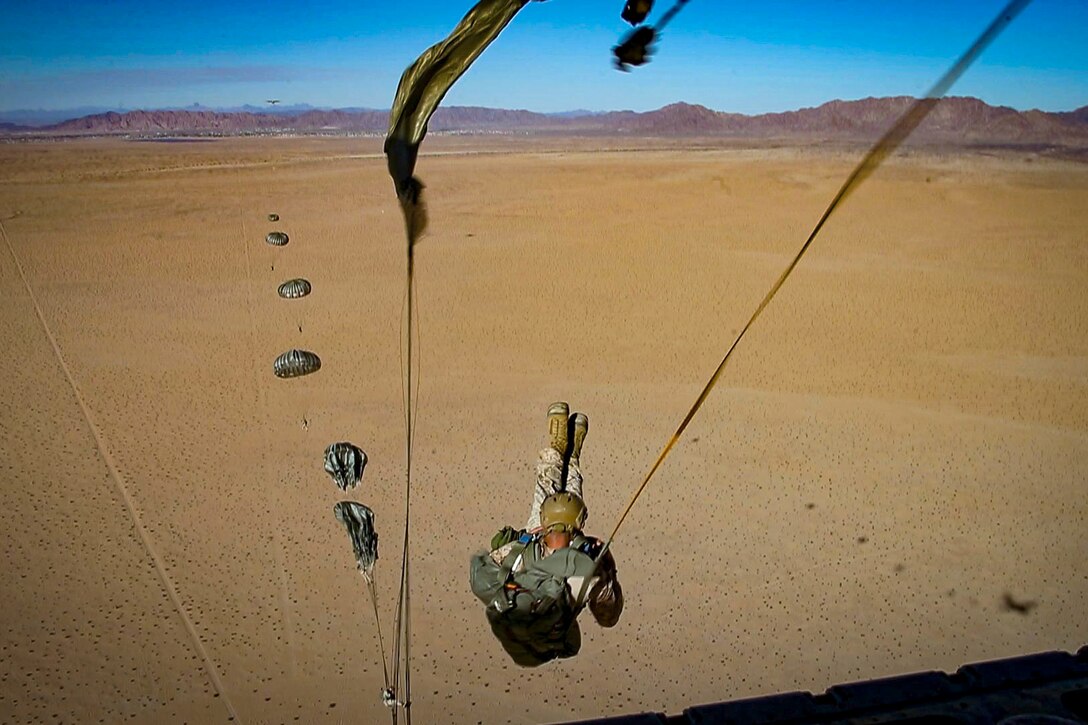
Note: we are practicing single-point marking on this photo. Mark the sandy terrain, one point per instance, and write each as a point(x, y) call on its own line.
point(900, 443)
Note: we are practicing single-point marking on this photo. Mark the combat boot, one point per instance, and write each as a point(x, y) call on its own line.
point(579, 427)
point(557, 427)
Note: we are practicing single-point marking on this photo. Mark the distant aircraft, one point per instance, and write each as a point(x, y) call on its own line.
point(272, 101)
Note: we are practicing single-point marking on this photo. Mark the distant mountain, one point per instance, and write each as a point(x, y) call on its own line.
point(1080, 115)
point(278, 108)
point(953, 120)
point(42, 117)
point(956, 121)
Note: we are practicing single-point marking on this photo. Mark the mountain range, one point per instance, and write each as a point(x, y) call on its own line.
point(955, 121)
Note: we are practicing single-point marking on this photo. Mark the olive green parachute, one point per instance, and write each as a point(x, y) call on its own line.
point(345, 463)
point(293, 289)
point(359, 522)
point(296, 363)
point(423, 86)
point(276, 239)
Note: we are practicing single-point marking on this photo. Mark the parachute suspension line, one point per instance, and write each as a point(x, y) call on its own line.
point(404, 398)
point(391, 692)
point(373, 589)
point(417, 326)
point(412, 405)
point(872, 159)
point(400, 351)
point(130, 507)
point(402, 641)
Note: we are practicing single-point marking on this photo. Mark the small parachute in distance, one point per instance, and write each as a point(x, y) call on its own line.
point(296, 363)
point(635, 11)
point(359, 521)
point(276, 239)
point(273, 217)
point(294, 289)
point(345, 463)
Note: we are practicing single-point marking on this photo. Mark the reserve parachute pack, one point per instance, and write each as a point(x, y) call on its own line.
point(525, 582)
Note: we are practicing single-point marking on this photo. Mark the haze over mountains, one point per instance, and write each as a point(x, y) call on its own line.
point(39, 117)
point(956, 120)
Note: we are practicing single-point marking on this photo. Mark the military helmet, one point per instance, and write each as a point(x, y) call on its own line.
point(562, 511)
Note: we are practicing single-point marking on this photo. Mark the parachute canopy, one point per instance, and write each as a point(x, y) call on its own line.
point(273, 217)
point(293, 289)
point(359, 522)
point(345, 463)
point(296, 363)
point(276, 239)
point(421, 89)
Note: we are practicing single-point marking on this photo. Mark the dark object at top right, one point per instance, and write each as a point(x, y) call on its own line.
point(635, 11)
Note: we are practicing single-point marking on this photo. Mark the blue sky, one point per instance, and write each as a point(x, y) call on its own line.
point(746, 57)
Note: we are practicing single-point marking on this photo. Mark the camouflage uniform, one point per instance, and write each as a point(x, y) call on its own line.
point(549, 480)
point(520, 578)
point(517, 578)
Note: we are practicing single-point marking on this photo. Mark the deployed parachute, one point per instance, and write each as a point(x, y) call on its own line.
point(345, 463)
point(421, 89)
point(273, 217)
point(359, 522)
point(296, 363)
point(276, 239)
point(293, 289)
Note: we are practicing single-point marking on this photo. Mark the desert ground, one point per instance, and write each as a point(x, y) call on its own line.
point(890, 476)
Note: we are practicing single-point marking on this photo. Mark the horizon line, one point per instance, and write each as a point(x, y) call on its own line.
point(283, 108)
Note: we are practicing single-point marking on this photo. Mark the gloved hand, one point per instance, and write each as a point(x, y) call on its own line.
point(606, 596)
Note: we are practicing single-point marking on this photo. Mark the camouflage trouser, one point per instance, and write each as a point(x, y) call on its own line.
point(549, 480)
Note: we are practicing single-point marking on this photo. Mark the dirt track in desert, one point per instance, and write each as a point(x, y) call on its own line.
point(898, 449)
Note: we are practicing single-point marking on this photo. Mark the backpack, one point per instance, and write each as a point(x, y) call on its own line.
point(525, 582)
point(504, 536)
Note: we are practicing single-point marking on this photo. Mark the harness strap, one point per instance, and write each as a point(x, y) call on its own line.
point(516, 565)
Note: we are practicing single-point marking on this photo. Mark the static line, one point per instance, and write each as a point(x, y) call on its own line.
point(103, 450)
point(883, 148)
point(402, 627)
point(406, 629)
point(373, 589)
